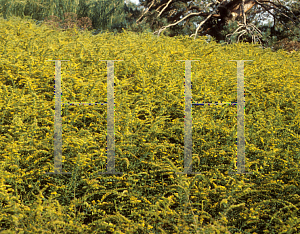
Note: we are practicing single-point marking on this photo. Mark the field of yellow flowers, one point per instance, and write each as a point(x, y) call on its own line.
point(149, 135)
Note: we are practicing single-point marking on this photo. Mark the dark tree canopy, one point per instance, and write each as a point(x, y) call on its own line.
point(226, 21)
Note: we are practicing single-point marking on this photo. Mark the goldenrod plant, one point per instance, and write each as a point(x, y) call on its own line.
point(149, 197)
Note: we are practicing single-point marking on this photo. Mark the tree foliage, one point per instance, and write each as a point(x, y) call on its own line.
point(287, 34)
point(36, 9)
point(105, 15)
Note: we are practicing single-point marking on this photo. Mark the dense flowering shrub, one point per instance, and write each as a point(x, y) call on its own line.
point(69, 22)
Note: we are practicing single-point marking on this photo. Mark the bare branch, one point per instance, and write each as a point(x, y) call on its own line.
point(247, 27)
point(145, 11)
point(165, 27)
point(276, 8)
point(195, 35)
point(165, 7)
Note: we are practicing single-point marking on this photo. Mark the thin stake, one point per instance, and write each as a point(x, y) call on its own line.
point(57, 121)
point(110, 120)
point(188, 141)
point(240, 119)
